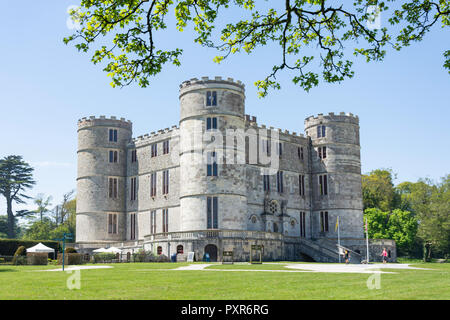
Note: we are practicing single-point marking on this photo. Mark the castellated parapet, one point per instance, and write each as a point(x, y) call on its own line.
point(166, 197)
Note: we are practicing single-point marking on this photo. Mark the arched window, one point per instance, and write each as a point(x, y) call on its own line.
point(180, 249)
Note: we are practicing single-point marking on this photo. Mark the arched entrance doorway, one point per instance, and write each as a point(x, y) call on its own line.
point(211, 249)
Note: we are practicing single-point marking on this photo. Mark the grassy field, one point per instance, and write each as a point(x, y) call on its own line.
point(155, 281)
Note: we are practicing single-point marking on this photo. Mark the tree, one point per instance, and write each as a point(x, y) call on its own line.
point(16, 176)
point(306, 31)
point(40, 230)
point(42, 205)
point(378, 190)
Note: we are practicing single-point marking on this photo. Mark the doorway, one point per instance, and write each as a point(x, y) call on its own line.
point(211, 249)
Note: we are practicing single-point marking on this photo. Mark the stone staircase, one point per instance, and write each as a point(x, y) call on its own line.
point(325, 250)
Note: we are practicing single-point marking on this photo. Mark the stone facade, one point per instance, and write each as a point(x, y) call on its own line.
point(266, 186)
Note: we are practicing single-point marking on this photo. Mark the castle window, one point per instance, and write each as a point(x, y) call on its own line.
point(323, 185)
point(301, 185)
point(265, 143)
point(165, 220)
point(300, 153)
point(212, 212)
point(154, 150)
point(152, 222)
point(113, 188)
point(280, 149)
point(322, 152)
point(324, 221)
point(180, 249)
point(133, 188)
point(280, 188)
point(133, 155)
point(211, 98)
point(166, 147)
point(302, 224)
point(211, 166)
point(113, 135)
point(112, 223)
point(321, 131)
point(165, 182)
point(211, 123)
point(132, 226)
point(159, 250)
point(113, 156)
point(266, 180)
point(153, 184)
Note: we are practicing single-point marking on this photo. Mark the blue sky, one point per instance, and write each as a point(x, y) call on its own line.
point(45, 87)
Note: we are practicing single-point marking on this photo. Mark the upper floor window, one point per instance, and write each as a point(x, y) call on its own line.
point(300, 153)
point(112, 223)
point(265, 144)
point(322, 152)
point(280, 188)
point(133, 188)
point(321, 131)
point(113, 188)
point(154, 150)
point(133, 155)
point(211, 98)
point(166, 147)
point(211, 123)
point(165, 220)
point(323, 184)
point(211, 165)
point(153, 184)
point(302, 224)
point(153, 222)
point(113, 156)
point(301, 184)
point(165, 182)
point(324, 221)
point(113, 135)
point(212, 213)
point(266, 180)
point(132, 226)
point(280, 149)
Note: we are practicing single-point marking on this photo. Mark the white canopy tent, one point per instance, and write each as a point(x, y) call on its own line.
point(101, 250)
point(113, 250)
point(41, 248)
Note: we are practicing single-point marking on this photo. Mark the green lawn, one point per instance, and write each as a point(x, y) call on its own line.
point(151, 281)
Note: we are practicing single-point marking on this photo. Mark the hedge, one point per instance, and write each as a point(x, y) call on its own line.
point(70, 258)
point(9, 246)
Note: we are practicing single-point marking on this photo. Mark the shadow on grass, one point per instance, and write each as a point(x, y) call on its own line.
point(7, 269)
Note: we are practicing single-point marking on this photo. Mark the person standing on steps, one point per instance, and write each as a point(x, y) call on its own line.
point(346, 256)
point(384, 254)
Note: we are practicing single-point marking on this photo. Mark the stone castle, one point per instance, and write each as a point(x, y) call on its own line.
point(222, 182)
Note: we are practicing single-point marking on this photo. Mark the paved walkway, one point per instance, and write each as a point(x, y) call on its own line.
point(72, 268)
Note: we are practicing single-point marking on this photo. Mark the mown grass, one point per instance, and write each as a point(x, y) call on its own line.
point(154, 281)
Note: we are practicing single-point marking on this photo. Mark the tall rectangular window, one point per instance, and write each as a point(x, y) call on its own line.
point(212, 213)
point(280, 149)
point(301, 185)
point(133, 188)
point(153, 222)
point(112, 223)
point(165, 182)
point(266, 180)
point(113, 188)
point(113, 156)
point(166, 147)
point(165, 220)
point(133, 155)
point(132, 226)
point(321, 131)
point(113, 135)
point(154, 150)
point(324, 221)
point(300, 153)
point(322, 152)
point(211, 165)
point(323, 185)
point(302, 224)
point(211, 123)
point(211, 98)
point(280, 187)
point(153, 184)
point(265, 143)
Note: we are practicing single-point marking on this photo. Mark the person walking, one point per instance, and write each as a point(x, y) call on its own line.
point(346, 256)
point(384, 254)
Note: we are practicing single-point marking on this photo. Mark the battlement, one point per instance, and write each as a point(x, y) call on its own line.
point(331, 117)
point(216, 82)
point(154, 134)
point(104, 121)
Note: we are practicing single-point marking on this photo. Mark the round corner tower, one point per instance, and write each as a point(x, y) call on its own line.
point(212, 189)
point(102, 155)
point(336, 175)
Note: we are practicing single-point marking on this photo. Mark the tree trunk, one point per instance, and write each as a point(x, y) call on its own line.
point(11, 220)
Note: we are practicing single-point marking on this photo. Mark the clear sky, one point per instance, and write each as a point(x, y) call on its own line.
point(45, 87)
